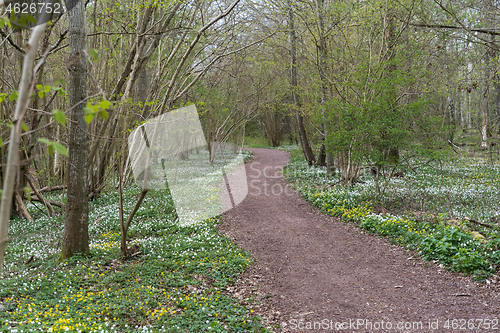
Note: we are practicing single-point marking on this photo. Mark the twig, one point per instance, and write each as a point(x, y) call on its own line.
point(454, 146)
point(42, 199)
point(53, 203)
point(52, 188)
point(29, 260)
point(133, 255)
point(22, 207)
point(480, 223)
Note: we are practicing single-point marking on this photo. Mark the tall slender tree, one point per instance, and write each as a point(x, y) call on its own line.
point(76, 238)
point(490, 70)
point(321, 46)
point(25, 89)
point(306, 148)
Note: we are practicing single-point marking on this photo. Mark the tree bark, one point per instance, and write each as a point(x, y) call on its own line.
point(390, 152)
point(306, 148)
point(490, 71)
point(322, 68)
point(21, 207)
point(76, 238)
point(25, 88)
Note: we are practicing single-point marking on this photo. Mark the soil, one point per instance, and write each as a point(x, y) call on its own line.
point(312, 269)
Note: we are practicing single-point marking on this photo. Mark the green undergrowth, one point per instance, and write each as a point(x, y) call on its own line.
point(438, 232)
point(256, 142)
point(177, 283)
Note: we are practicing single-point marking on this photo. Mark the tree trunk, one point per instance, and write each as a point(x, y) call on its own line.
point(390, 152)
point(322, 68)
point(497, 101)
point(15, 135)
point(141, 93)
point(306, 148)
point(76, 239)
point(321, 160)
point(489, 74)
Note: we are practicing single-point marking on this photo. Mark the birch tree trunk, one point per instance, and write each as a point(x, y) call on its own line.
point(25, 88)
point(76, 238)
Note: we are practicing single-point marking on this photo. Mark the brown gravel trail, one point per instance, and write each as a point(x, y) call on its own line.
point(320, 270)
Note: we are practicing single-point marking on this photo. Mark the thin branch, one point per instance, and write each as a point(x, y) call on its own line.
point(201, 73)
point(42, 199)
point(11, 42)
point(56, 47)
point(190, 48)
point(452, 27)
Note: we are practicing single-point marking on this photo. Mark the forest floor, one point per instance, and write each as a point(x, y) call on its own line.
point(320, 274)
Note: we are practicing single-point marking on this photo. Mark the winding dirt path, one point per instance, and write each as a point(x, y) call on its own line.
point(318, 269)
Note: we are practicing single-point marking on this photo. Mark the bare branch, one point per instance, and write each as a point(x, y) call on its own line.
point(11, 42)
point(452, 27)
point(190, 48)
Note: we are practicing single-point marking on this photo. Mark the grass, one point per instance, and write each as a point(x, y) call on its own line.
point(178, 283)
point(445, 210)
point(256, 142)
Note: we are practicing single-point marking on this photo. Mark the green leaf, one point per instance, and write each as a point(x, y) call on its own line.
point(43, 140)
point(24, 126)
point(42, 90)
point(104, 114)
point(90, 112)
point(28, 192)
point(93, 53)
point(60, 148)
point(31, 19)
point(89, 108)
point(54, 146)
point(59, 116)
point(51, 150)
point(13, 96)
point(105, 104)
point(2, 97)
point(1, 142)
point(88, 118)
point(60, 91)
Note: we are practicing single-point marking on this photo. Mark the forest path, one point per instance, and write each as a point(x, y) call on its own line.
point(319, 269)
